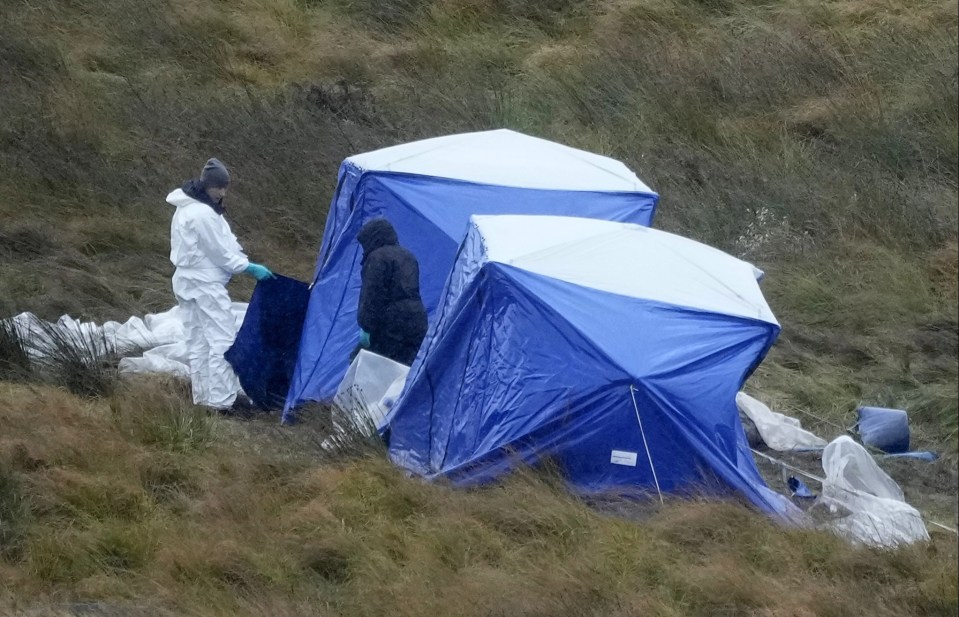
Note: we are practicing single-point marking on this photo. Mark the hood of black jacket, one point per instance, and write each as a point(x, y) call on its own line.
point(375, 235)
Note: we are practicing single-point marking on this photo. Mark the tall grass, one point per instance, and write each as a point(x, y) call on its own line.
point(82, 360)
point(14, 514)
point(353, 434)
point(937, 405)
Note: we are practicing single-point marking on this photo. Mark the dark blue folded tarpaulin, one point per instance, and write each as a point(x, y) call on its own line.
point(265, 349)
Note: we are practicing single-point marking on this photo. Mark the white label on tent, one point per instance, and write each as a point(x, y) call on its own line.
point(623, 458)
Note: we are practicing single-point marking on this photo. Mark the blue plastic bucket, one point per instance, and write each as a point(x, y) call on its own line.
point(886, 429)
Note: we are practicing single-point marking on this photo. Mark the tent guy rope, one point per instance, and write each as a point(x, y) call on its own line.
point(649, 457)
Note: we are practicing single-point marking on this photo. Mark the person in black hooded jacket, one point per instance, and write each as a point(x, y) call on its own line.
point(391, 311)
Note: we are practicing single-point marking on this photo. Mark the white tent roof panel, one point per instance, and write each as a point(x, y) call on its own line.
point(504, 158)
point(626, 259)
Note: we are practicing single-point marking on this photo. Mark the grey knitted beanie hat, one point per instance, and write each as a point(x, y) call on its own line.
point(214, 175)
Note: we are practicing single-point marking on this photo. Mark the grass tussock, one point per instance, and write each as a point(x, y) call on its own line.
point(84, 361)
point(158, 413)
point(352, 431)
point(81, 359)
point(14, 358)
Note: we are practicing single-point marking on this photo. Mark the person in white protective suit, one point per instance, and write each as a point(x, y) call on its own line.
point(206, 255)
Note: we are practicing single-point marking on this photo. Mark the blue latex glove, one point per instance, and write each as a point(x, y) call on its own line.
point(364, 339)
point(259, 272)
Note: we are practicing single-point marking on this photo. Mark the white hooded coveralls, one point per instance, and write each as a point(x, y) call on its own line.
point(206, 255)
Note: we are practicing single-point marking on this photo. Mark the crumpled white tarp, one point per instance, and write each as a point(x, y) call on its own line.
point(866, 504)
point(779, 432)
point(159, 336)
point(370, 388)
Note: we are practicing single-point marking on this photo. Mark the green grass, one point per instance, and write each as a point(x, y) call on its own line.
point(14, 515)
point(936, 405)
point(158, 413)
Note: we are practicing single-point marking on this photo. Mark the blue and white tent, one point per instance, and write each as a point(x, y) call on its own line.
point(613, 349)
point(428, 190)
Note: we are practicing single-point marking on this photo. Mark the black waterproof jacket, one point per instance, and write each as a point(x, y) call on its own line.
point(391, 308)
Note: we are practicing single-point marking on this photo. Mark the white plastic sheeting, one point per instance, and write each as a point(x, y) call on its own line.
point(866, 505)
point(778, 431)
point(370, 388)
point(159, 336)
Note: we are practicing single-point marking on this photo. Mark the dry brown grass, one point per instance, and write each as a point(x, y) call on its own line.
point(244, 525)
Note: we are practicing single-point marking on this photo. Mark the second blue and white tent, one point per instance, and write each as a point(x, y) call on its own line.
point(614, 349)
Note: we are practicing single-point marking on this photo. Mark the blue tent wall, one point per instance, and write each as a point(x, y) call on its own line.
point(431, 217)
point(523, 369)
point(347, 178)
